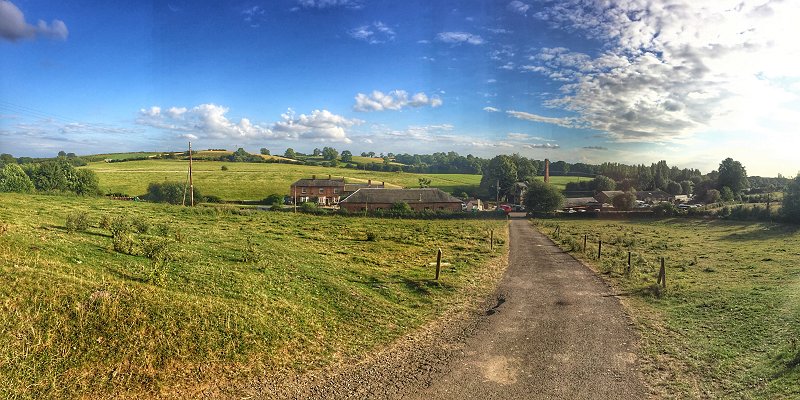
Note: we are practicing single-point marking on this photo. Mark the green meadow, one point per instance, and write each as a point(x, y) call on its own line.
point(212, 296)
point(253, 181)
point(727, 324)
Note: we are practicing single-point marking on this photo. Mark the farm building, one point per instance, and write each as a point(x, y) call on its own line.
point(426, 199)
point(607, 195)
point(326, 191)
point(350, 188)
point(581, 203)
point(654, 196)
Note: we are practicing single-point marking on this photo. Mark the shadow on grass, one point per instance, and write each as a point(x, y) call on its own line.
point(64, 229)
point(786, 363)
point(767, 232)
point(419, 286)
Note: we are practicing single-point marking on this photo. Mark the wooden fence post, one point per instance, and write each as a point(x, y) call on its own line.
point(438, 263)
point(599, 248)
point(662, 275)
point(628, 270)
point(585, 237)
point(491, 240)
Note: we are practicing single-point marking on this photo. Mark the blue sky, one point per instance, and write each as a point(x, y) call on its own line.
point(692, 82)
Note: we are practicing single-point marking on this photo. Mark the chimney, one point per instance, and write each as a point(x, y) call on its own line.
point(369, 182)
point(329, 176)
point(383, 184)
point(546, 171)
point(313, 177)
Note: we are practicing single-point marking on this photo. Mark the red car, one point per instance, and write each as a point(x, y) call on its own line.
point(505, 207)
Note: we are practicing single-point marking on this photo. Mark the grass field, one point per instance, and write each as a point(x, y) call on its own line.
point(234, 295)
point(728, 322)
point(560, 182)
point(252, 181)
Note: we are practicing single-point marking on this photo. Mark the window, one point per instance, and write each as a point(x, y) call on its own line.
point(335, 191)
point(321, 190)
point(303, 190)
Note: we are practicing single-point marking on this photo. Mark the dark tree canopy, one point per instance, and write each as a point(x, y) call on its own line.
point(329, 153)
point(289, 153)
point(602, 183)
point(733, 175)
point(542, 197)
point(790, 208)
point(14, 179)
point(347, 156)
point(624, 201)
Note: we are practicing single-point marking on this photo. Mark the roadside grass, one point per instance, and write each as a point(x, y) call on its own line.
point(236, 293)
point(727, 324)
point(253, 181)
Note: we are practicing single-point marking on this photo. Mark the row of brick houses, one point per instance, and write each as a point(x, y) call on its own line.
point(327, 192)
point(369, 196)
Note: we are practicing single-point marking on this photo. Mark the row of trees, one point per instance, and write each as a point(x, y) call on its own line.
point(49, 176)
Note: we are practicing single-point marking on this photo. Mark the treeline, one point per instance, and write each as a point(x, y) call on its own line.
point(51, 176)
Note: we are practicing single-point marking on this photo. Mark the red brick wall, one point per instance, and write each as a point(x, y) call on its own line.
point(354, 207)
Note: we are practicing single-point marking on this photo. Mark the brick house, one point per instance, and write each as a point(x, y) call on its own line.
point(425, 199)
point(326, 191)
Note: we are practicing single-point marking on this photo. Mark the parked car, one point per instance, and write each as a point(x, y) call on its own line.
point(505, 207)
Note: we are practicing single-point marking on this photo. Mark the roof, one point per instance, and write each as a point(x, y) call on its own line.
point(319, 182)
point(611, 193)
point(352, 187)
point(578, 201)
point(653, 193)
point(391, 196)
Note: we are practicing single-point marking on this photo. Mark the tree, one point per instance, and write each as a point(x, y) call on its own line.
point(317, 152)
point(712, 196)
point(674, 188)
point(733, 175)
point(371, 154)
point(14, 179)
point(273, 199)
point(559, 166)
point(790, 208)
point(328, 153)
point(401, 207)
point(424, 182)
point(501, 171)
point(624, 201)
point(727, 194)
point(72, 155)
point(542, 197)
point(347, 156)
point(85, 183)
point(62, 153)
point(264, 151)
point(603, 183)
point(290, 153)
point(686, 187)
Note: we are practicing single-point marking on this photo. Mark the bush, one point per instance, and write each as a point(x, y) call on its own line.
point(141, 225)
point(273, 199)
point(625, 201)
point(372, 236)
point(105, 222)
point(665, 209)
point(309, 207)
point(542, 197)
point(14, 179)
point(210, 199)
point(170, 192)
point(77, 221)
point(790, 209)
point(276, 207)
point(224, 168)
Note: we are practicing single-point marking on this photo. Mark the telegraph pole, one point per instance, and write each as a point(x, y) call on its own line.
point(497, 195)
point(191, 186)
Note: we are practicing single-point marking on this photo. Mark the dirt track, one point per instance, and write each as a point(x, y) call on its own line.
point(553, 331)
point(558, 334)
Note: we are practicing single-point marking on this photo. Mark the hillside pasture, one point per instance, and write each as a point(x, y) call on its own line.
point(211, 297)
point(728, 322)
point(253, 181)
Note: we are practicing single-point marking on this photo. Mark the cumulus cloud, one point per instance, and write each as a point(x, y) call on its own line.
point(666, 72)
point(459, 38)
point(518, 7)
point(565, 122)
point(13, 26)
point(209, 121)
point(491, 109)
point(394, 100)
point(320, 125)
point(375, 33)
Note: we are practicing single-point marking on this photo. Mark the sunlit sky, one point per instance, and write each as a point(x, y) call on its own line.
point(631, 81)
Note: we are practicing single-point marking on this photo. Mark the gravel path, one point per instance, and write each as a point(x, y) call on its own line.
point(552, 331)
point(558, 334)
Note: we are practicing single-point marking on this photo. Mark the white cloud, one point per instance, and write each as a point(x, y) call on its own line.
point(565, 122)
point(209, 121)
point(518, 7)
point(669, 70)
point(377, 32)
point(13, 26)
point(394, 100)
point(491, 109)
point(323, 4)
point(253, 16)
point(459, 37)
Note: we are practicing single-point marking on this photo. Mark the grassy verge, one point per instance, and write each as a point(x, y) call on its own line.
point(253, 181)
point(728, 322)
point(224, 295)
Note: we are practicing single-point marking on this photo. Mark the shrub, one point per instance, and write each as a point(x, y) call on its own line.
point(14, 179)
point(141, 225)
point(401, 207)
point(161, 229)
point(665, 209)
point(276, 207)
point(309, 207)
point(790, 209)
point(372, 236)
point(273, 199)
point(211, 199)
point(77, 221)
point(624, 201)
point(105, 221)
point(542, 197)
point(119, 225)
point(170, 192)
point(224, 168)
point(123, 243)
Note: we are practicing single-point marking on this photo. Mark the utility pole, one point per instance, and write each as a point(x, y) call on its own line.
point(497, 195)
point(295, 199)
point(191, 185)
